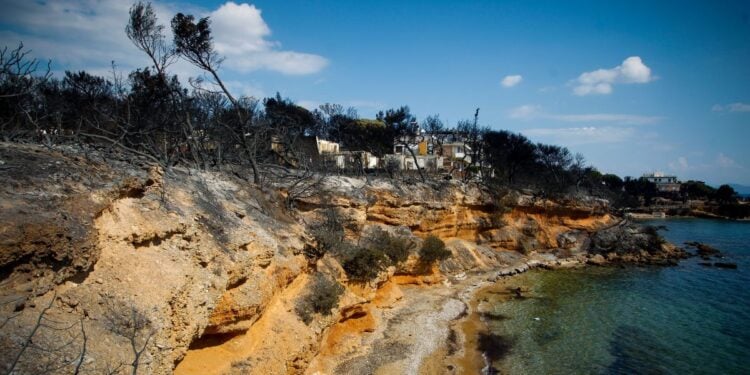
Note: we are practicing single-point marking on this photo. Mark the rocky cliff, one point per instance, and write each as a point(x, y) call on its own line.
point(198, 272)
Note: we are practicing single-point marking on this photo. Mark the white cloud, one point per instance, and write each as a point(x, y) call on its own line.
point(582, 135)
point(680, 165)
point(721, 162)
point(609, 117)
point(241, 35)
point(89, 34)
point(511, 80)
point(239, 28)
point(600, 81)
point(365, 104)
point(725, 162)
point(80, 34)
point(732, 107)
point(360, 105)
point(526, 111)
point(531, 112)
point(739, 107)
point(246, 89)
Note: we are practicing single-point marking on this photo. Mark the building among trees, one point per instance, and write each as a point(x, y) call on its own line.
point(664, 183)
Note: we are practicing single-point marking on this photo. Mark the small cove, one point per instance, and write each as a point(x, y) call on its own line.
point(684, 319)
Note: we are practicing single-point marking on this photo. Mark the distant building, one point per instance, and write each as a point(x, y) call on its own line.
point(446, 151)
point(456, 155)
point(353, 160)
point(664, 183)
point(406, 162)
point(303, 150)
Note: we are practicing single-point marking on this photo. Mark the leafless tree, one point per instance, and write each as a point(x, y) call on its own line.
point(124, 319)
point(147, 35)
point(194, 43)
point(437, 133)
point(20, 77)
point(579, 170)
point(472, 134)
point(47, 347)
point(404, 129)
point(145, 32)
point(18, 69)
point(299, 183)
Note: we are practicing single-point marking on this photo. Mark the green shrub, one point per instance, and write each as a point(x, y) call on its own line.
point(433, 249)
point(527, 245)
point(395, 248)
point(531, 228)
point(734, 210)
point(322, 296)
point(398, 249)
point(378, 250)
point(493, 221)
point(364, 263)
point(328, 235)
point(497, 220)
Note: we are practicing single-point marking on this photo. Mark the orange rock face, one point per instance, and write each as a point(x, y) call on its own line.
point(517, 223)
point(346, 333)
point(217, 266)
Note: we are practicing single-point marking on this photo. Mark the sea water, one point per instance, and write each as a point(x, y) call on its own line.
point(687, 319)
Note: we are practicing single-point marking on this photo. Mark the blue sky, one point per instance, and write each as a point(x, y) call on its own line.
point(634, 86)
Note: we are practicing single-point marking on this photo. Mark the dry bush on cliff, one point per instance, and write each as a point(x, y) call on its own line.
point(432, 250)
point(396, 248)
point(328, 235)
point(321, 297)
point(530, 228)
point(364, 263)
point(377, 250)
point(494, 220)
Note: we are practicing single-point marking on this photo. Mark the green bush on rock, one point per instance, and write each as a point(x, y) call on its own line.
point(378, 250)
point(364, 263)
point(433, 249)
point(321, 297)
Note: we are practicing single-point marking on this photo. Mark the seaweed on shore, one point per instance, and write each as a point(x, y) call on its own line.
point(452, 342)
point(494, 346)
point(493, 316)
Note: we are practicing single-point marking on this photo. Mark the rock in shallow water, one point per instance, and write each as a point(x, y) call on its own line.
point(732, 266)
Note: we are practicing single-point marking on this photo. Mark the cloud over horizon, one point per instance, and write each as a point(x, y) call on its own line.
point(732, 107)
point(531, 112)
point(240, 34)
point(582, 135)
point(600, 81)
point(511, 80)
point(720, 162)
point(89, 35)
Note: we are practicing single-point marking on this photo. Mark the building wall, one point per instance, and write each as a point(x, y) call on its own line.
point(327, 147)
point(668, 187)
point(422, 148)
point(454, 150)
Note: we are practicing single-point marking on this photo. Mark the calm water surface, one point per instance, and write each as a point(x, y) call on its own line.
point(687, 319)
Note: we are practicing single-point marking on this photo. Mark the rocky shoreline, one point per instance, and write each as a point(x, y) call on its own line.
point(463, 350)
point(450, 341)
point(699, 214)
point(212, 267)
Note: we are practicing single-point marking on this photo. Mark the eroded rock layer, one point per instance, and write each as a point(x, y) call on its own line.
point(197, 272)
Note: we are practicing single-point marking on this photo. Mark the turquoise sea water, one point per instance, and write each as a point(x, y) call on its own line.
point(687, 319)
